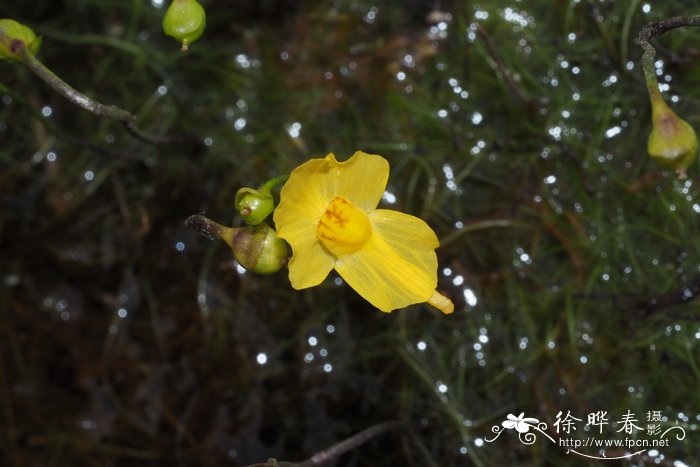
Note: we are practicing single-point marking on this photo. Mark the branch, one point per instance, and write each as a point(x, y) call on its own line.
point(87, 103)
point(654, 29)
point(332, 453)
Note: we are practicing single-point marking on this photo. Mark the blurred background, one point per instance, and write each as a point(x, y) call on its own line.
point(516, 129)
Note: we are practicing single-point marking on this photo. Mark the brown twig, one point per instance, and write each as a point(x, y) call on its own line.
point(332, 453)
point(655, 29)
point(204, 226)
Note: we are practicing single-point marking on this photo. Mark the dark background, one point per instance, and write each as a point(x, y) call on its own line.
point(572, 258)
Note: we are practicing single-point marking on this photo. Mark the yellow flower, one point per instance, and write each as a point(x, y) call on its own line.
point(328, 214)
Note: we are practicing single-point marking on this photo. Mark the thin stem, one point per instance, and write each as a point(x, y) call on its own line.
point(205, 226)
point(332, 453)
point(659, 27)
point(335, 451)
point(272, 183)
point(71, 93)
point(626, 26)
point(149, 138)
point(488, 224)
point(655, 29)
point(87, 103)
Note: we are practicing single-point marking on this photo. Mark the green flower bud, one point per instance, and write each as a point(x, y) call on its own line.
point(14, 37)
point(672, 141)
point(254, 205)
point(256, 248)
point(185, 21)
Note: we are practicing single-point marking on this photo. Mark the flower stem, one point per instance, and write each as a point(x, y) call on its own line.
point(655, 29)
point(71, 93)
point(87, 103)
point(206, 226)
point(272, 183)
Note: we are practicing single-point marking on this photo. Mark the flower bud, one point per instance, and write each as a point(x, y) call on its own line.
point(254, 205)
point(14, 37)
point(256, 248)
point(185, 21)
point(672, 141)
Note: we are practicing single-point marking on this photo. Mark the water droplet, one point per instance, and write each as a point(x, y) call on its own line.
point(294, 129)
point(239, 124)
point(470, 297)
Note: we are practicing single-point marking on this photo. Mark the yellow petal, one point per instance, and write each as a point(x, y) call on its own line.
point(362, 179)
point(301, 205)
point(397, 267)
point(310, 262)
point(303, 198)
point(311, 187)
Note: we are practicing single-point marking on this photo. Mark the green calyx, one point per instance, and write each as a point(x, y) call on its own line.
point(185, 21)
point(672, 141)
point(15, 38)
point(257, 248)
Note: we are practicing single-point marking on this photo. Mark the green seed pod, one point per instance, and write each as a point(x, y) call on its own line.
point(672, 141)
point(185, 21)
point(256, 248)
point(254, 205)
point(15, 36)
